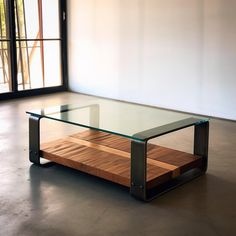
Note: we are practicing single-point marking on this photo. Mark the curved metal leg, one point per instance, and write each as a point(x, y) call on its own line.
point(34, 143)
point(138, 187)
point(201, 137)
point(34, 139)
point(138, 170)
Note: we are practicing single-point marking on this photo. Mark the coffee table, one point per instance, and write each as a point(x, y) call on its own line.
point(115, 144)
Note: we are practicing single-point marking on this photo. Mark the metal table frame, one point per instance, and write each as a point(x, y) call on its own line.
point(138, 188)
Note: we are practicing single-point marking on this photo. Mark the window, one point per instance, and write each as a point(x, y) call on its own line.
point(32, 46)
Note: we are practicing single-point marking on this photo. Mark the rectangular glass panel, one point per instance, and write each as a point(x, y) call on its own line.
point(120, 118)
point(4, 26)
point(5, 80)
point(52, 63)
point(37, 19)
point(50, 19)
point(38, 64)
point(20, 19)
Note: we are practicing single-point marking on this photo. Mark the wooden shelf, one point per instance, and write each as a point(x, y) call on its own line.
point(108, 156)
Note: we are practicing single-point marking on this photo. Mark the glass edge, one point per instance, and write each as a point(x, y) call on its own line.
point(145, 139)
point(85, 126)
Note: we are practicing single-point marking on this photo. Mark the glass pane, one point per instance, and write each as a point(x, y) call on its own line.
point(37, 19)
point(125, 119)
point(38, 64)
point(5, 80)
point(50, 19)
point(4, 31)
point(20, 19)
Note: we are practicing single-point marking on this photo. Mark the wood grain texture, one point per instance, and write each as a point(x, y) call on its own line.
point(175, 169)
point(108, 156)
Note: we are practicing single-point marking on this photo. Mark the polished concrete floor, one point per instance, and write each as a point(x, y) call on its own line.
point(61, 201)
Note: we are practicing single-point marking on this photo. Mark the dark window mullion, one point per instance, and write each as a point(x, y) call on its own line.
point(63, 36)
point(13, 53)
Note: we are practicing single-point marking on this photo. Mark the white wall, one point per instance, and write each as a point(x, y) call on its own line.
point(178, 54)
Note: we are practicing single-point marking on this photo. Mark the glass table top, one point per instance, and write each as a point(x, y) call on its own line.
point(133, 121)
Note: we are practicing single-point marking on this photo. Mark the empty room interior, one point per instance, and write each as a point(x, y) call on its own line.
point(117, 117)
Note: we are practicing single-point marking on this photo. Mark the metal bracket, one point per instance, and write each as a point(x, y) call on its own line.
point(34, 139)
point(138, 169)
point(201, 139)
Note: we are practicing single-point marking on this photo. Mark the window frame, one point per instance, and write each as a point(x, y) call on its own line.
point(15, 93)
